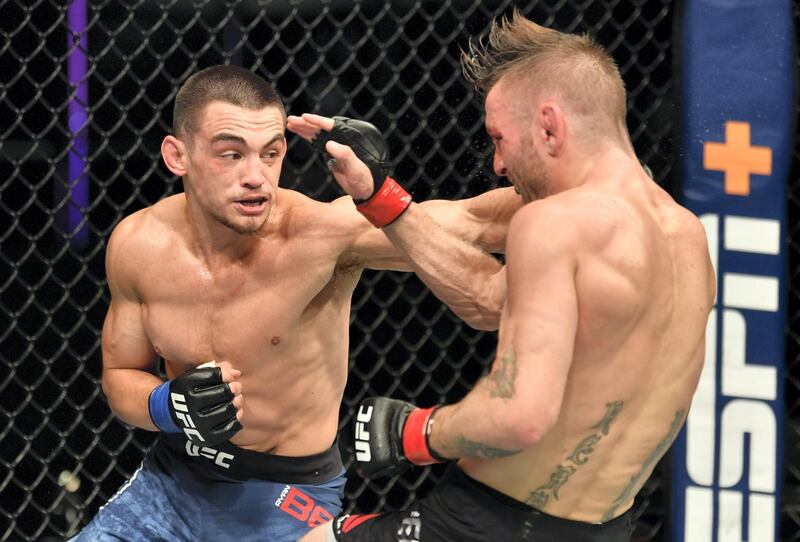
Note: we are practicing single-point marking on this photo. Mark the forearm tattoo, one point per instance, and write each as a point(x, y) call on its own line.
point(469, 448)
point(502, 380)
point(651, 460)
point(539, 497)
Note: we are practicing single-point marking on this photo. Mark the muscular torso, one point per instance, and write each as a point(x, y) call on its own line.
point(644, 288)
point(280, 316)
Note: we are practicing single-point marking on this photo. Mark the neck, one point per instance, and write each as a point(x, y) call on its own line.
point(595, 162)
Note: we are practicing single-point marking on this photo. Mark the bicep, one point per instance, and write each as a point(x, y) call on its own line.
point(125, 343)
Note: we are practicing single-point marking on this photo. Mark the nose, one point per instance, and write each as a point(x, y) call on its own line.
point(254, 174)
point(499, 166)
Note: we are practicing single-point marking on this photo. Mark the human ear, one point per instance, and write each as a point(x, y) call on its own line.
point(173, 153)
point(553, 127)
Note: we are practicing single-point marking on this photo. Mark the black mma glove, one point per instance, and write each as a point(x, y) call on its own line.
point(388, 199)
point(391, 435)
point(198, 403)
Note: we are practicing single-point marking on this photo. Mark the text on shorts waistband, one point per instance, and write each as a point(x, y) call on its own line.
point(231, 461)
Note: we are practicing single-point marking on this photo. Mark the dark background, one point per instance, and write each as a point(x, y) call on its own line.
point(392, 63)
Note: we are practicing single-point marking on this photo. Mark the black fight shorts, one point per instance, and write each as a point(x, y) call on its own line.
point(460, 509)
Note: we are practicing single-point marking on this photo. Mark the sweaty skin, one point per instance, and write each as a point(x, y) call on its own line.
point(601, 340)
point(636, 355)
point(609, 286)
point(256, 277)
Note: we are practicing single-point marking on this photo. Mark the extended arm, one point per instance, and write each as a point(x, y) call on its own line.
point(470, 281)
point(446, 248)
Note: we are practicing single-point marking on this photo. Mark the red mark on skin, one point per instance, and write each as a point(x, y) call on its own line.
point(276, 340)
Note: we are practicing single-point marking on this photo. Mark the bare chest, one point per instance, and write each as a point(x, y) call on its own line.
point(242, 314)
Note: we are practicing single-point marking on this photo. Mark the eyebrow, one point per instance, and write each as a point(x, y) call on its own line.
point(231, 138)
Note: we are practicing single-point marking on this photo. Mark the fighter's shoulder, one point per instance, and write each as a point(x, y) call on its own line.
point(143, 231)
point(571, 222)
point(687, 222)
point(566, 213)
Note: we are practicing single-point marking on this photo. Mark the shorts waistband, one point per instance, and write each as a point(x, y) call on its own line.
point(230, 461)
point(615, 529)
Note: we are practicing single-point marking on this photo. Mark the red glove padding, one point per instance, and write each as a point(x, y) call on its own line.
point(385, 205)
point(415, 436)
point(390, 435)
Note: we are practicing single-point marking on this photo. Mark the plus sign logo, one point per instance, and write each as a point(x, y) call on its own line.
point(737, 158)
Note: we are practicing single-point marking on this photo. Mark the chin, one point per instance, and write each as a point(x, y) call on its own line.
point(244, 227)
point(252, 227)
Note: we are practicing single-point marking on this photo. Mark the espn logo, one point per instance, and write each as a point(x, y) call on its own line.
point(732, 429)
point(363, 417)
point(182, 413)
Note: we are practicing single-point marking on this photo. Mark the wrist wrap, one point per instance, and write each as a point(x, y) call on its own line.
point(416, 447)
point(386, 204)
point(159, 409)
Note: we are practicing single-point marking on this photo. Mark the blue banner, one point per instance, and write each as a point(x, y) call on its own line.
point(737, 111)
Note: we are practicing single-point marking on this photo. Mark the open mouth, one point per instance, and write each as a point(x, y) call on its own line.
point(252, 202)
point(252, 206)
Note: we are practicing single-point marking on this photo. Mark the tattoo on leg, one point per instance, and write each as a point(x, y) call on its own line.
point(579, 456)
point(649, 463)
point(502, 380)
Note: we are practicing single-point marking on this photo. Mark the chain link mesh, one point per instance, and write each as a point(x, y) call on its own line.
point(394, 63)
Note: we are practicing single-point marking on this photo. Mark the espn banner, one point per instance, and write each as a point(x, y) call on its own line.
point(737, 109)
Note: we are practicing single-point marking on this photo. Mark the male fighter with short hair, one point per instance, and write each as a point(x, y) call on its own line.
point(601, 342)
point(244, 289)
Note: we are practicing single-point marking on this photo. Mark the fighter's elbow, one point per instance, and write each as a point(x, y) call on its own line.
point(526, 435)
point(109, 391)
point(114, 391)
point(527, 428)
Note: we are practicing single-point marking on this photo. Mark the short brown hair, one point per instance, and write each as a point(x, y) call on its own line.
point(229, 84)
point(580, 69)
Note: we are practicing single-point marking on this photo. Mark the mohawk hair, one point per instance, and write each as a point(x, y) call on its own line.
point(518, 48)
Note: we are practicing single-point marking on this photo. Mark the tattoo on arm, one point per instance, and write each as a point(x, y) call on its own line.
point(539, 497)
point(503, 379)
point(651, 460)
point(464, 447)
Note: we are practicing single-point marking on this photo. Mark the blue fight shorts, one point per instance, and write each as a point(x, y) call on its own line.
point(186, 492)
